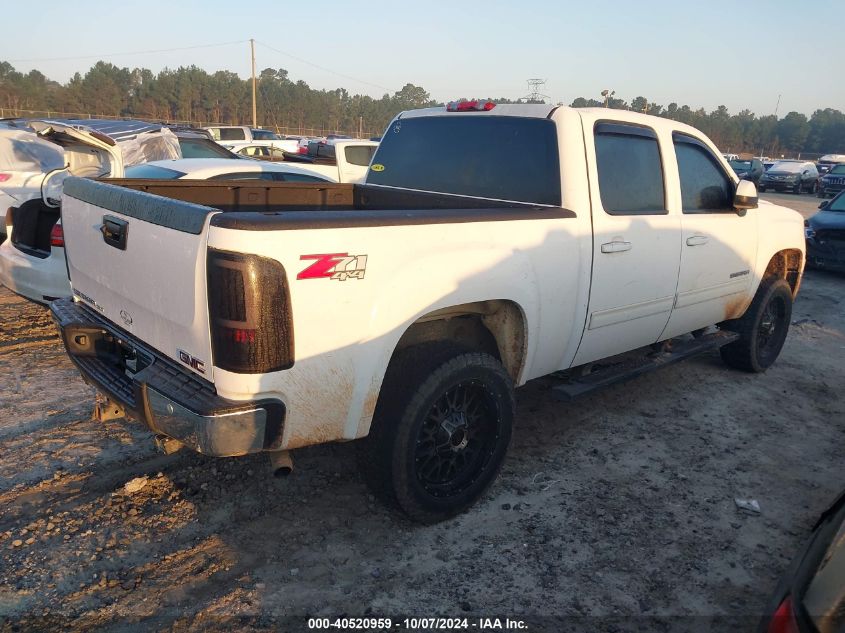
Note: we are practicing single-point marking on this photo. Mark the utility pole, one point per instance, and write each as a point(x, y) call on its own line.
point(254, 117)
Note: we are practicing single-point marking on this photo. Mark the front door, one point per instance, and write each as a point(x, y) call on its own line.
point(636, 241)
point(719, 246)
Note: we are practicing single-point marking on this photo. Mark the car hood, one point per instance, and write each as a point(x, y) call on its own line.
point(782, 173)
point(828, 220)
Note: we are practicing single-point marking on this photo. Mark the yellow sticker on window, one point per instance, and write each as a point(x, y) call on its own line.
point(377, 167)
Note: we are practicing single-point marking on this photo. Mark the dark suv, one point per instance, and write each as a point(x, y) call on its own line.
point(832, 182)
point(791, 175)
point(748, 169)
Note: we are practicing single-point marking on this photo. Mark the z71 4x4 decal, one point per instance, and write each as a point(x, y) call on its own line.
point(338, 266)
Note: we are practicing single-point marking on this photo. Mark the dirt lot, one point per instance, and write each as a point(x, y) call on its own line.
point(618, 505)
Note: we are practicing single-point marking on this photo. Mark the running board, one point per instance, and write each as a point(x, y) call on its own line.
point(576, 386)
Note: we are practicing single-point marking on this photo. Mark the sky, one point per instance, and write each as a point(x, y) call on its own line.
point(703, 53)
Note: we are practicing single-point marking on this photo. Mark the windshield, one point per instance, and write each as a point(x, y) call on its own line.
point(837, 204)
point(741, 165)
point(499, 157)
point(792, 168)
point(839, 169)
point(265, 135)
point(153, 171)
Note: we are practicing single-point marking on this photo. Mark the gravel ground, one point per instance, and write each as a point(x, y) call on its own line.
point(620, 505)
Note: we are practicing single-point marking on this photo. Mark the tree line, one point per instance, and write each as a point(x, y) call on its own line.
point(191, 94)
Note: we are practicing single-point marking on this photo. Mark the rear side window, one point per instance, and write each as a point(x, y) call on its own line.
point(300, 178)
point(232, 134)
point(505, 158)
point(629, 169)
point(145, 170)
point(201, 148)
point(360, 155)
point(705, 188)
point(245, 175)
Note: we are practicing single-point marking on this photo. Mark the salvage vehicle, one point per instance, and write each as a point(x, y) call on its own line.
point(825, 234)
point(791, 175)
point(32, 260)
point(748, 169)
point(234, 318)
point(810, 598)
point(832, 182)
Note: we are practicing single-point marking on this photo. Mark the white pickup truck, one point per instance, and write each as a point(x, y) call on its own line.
point(407, 309)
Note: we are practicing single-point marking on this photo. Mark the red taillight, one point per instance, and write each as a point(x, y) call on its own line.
point(5, 177)
point(57, 236)
point(249, 307)
point(470, 106)
point(783, 620)
point(303, 150)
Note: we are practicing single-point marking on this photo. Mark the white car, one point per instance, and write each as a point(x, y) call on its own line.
point(226, 169)
point(32, 264)
point(271, 150)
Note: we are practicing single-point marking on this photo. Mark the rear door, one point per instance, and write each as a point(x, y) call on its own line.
point(139, 260)
point(719, 246)
point(636, 240)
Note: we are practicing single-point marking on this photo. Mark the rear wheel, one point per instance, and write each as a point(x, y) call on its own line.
point(762, 329)
point(441, 430)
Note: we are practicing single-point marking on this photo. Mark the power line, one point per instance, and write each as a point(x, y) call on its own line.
point(160, 50)
point(323, 68)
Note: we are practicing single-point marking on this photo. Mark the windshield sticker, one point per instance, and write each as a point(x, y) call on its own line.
point(377, 167)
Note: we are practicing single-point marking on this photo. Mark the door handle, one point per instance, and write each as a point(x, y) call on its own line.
point(697, 240)
point(114, 231)
point(615, 247)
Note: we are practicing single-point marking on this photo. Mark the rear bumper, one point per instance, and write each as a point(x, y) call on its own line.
point(170, 400)
point(36, 279)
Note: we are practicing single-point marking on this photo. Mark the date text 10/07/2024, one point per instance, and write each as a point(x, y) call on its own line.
point(418, 624)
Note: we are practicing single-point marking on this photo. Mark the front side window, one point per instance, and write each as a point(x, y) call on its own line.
point(629, 169)
point(705, 188)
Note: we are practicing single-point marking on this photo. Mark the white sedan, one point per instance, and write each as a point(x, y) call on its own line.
point(35, 267)
point(226, 169)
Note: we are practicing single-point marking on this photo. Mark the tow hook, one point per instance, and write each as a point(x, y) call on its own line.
point(105, 410)
point(167, 445)
point(281, 463)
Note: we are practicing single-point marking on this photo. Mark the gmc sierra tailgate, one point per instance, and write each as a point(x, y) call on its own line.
point(139, 260)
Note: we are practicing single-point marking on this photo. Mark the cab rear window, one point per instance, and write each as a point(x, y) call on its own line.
point(504, 158)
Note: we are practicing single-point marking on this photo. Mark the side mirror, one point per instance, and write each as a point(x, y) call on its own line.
point(745, 197)
point(824, 204)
